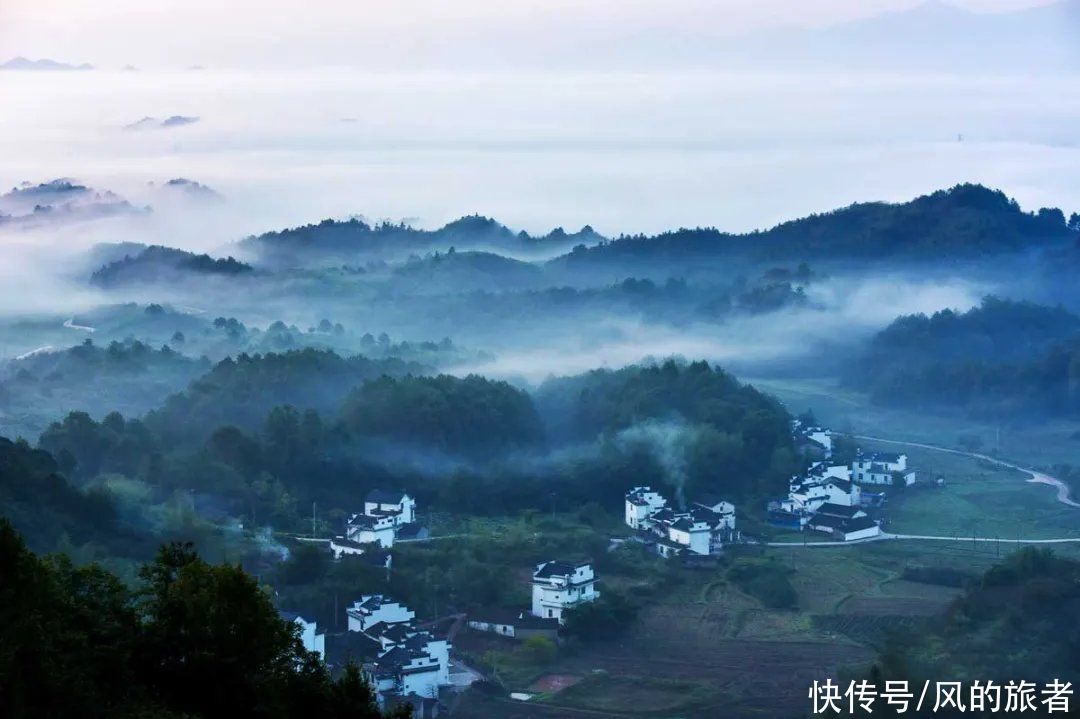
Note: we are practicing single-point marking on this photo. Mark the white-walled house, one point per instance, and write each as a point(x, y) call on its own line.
point(367, 529)
point(844, 522)
point(403, 661)
point(387, 516)
point(701, 529)
point(828, 469)
point(313, 639)
point(558, 586)
point(516, 623)
point(399, 506)
point(342, 547)
point(691, 533)
point(374, 609)
point(641, 503)
point(724, 511)
point(880, 468)
point(817, 438)
point(822, 437)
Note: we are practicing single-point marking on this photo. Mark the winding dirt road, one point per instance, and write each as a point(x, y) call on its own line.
point(1037, 477)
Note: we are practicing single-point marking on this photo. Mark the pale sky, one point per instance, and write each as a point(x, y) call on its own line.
point(254, 33)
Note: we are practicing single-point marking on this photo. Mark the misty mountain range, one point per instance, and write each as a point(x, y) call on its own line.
point(154, 123)
point(42, 65)
point(965, 221)
point(60, 201)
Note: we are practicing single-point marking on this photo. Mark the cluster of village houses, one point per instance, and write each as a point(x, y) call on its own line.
point(407, 664)
point(701, 528)
point(829, 497)
point(832, 497)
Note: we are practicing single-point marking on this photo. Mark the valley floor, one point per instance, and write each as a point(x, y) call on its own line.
point(704, 648)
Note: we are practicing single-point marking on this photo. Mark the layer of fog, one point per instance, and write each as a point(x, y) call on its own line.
point(844, 312)
point(623, 153)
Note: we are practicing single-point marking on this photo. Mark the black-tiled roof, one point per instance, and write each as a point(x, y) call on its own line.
point(838, 510)
point(557, 568)
point(350, 647)
point(383, 496)
point(858, 523)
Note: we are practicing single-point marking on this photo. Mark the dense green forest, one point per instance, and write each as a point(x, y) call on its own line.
point(193, 640)
point(461, 445)
point(35, 495)
point(999, 358)
point(471, 416)
point(693, 411)
point(242, 391)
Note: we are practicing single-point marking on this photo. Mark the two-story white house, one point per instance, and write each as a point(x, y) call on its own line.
point(394, 504)
point(367, 529)
point(881, 468)
point(387, 517)
point(640, 504)
point(558, 586)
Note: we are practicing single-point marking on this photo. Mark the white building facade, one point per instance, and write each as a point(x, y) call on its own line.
point(559, 586)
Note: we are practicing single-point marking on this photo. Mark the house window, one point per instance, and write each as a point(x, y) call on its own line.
point(551, 613)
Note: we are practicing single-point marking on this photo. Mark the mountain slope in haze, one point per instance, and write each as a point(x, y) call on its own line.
point(164, 264)
point(42, 65)
point(59, 201)
point(356, 241)
point(964, 222)
point(462, 271)
point(999, 359)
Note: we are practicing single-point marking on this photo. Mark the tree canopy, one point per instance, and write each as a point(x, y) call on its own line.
point(194, 641)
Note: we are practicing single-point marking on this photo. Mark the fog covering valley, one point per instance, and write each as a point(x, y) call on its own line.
point(517, 277)
point(307, 317)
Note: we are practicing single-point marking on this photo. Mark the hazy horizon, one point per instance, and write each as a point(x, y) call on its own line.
point(281, 33)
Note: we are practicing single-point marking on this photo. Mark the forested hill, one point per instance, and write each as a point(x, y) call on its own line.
point(163, 264)
point(355, 241)
point(40, 502)
point(461, 444)
point(192, 640)
point(242, 391)
point(965, 221)
point(1000, 357)
point(129, 377)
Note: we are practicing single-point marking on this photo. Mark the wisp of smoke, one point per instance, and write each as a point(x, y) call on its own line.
point(667, 442)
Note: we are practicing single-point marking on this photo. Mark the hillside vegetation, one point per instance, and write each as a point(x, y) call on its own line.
point(998, 358)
